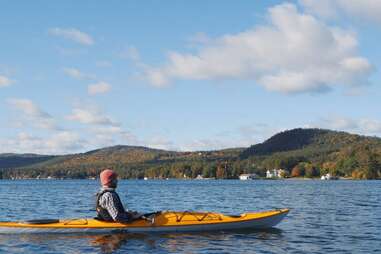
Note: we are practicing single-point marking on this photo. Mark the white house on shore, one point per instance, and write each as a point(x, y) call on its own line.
point(275, 173)
point(248, 177)
point(328, 177)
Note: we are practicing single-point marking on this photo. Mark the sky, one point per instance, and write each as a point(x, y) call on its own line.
point(184, 75)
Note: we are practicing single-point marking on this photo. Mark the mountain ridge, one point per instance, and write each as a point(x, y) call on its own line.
point(324, 150)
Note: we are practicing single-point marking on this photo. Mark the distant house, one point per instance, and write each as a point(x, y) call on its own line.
point(248, 176)
point(199, 177)
point(275, 173)
point(328, 177)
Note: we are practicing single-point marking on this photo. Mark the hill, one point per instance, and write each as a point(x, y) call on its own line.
point(129, 161)
point(318, 151)
point(10, 160)
point(301, 152)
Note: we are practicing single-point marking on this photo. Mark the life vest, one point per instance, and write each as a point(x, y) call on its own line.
point(102, 213)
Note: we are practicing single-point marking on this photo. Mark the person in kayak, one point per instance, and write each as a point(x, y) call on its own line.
point(109, 207)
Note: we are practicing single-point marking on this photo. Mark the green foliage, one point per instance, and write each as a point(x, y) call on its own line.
point(301, 152)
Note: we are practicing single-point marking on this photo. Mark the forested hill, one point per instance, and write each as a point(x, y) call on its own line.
point(301, 152)
point(288, 140)
point(11, 160)
point(314, 152)
point(129, 161)
point(308, 139)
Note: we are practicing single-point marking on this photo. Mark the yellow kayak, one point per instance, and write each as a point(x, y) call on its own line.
point(167, 221)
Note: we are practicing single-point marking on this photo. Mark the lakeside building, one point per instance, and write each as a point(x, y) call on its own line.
point(248, 176)
point(200, 177)
point(275, 173)
point(328, 177)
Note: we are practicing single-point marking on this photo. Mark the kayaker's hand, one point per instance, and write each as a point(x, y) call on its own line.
point(136, 215)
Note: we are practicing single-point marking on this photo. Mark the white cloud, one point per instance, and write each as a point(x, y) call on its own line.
point(324, 8)
point(368, 10)
point(4, 81)
point(97, 88)
point(58, 143)
point(370, 126)
point(32, 114)
point(77, 74)
point(28, 107)
point(90, 115)
point(205, 145)
point(65, 141)
point(73, 35)
point(160, 142)
point(364, 126)
point(112, 135)
point(294, 53)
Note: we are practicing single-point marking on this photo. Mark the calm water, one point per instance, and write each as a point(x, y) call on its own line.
point(326, 216)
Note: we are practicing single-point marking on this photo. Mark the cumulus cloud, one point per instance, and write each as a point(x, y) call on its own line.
point(92, 116)
point(72, 34)
point(64, 142)
point(97, 88)
point(32, 114)
point(240, 136)
point(206, 144)
point(293, 53)
point(112, 135)
point(4, 81)
point(58, 143)
point(160, 142)
point(77, 74)
point(368, 10)
point(364, 126)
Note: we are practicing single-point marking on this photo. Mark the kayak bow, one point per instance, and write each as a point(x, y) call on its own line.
point(168, 221)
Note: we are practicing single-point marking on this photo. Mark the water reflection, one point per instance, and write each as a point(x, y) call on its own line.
point(157, 242)
point(112, 242)
point(173, 242)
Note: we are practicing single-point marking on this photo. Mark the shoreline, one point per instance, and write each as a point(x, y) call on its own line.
point(180, 179)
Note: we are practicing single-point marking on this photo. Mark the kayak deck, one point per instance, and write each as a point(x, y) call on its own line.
point(168, 221)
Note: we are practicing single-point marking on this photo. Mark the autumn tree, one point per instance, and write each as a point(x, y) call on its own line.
point(298, 170)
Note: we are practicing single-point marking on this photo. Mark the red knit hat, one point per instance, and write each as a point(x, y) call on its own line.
point(107, 176)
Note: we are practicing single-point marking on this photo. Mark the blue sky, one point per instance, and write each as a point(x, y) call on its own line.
point(184, 75)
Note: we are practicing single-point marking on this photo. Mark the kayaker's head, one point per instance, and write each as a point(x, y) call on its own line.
point(109, 178)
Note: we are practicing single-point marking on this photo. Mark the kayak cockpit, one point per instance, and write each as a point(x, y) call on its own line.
point(40, 221)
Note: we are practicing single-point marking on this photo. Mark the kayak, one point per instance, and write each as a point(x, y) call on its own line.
point(163, 221)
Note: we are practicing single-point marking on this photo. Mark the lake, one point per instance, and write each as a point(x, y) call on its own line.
point(326, 216)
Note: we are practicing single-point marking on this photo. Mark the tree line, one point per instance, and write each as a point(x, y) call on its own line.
point(300, 152)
